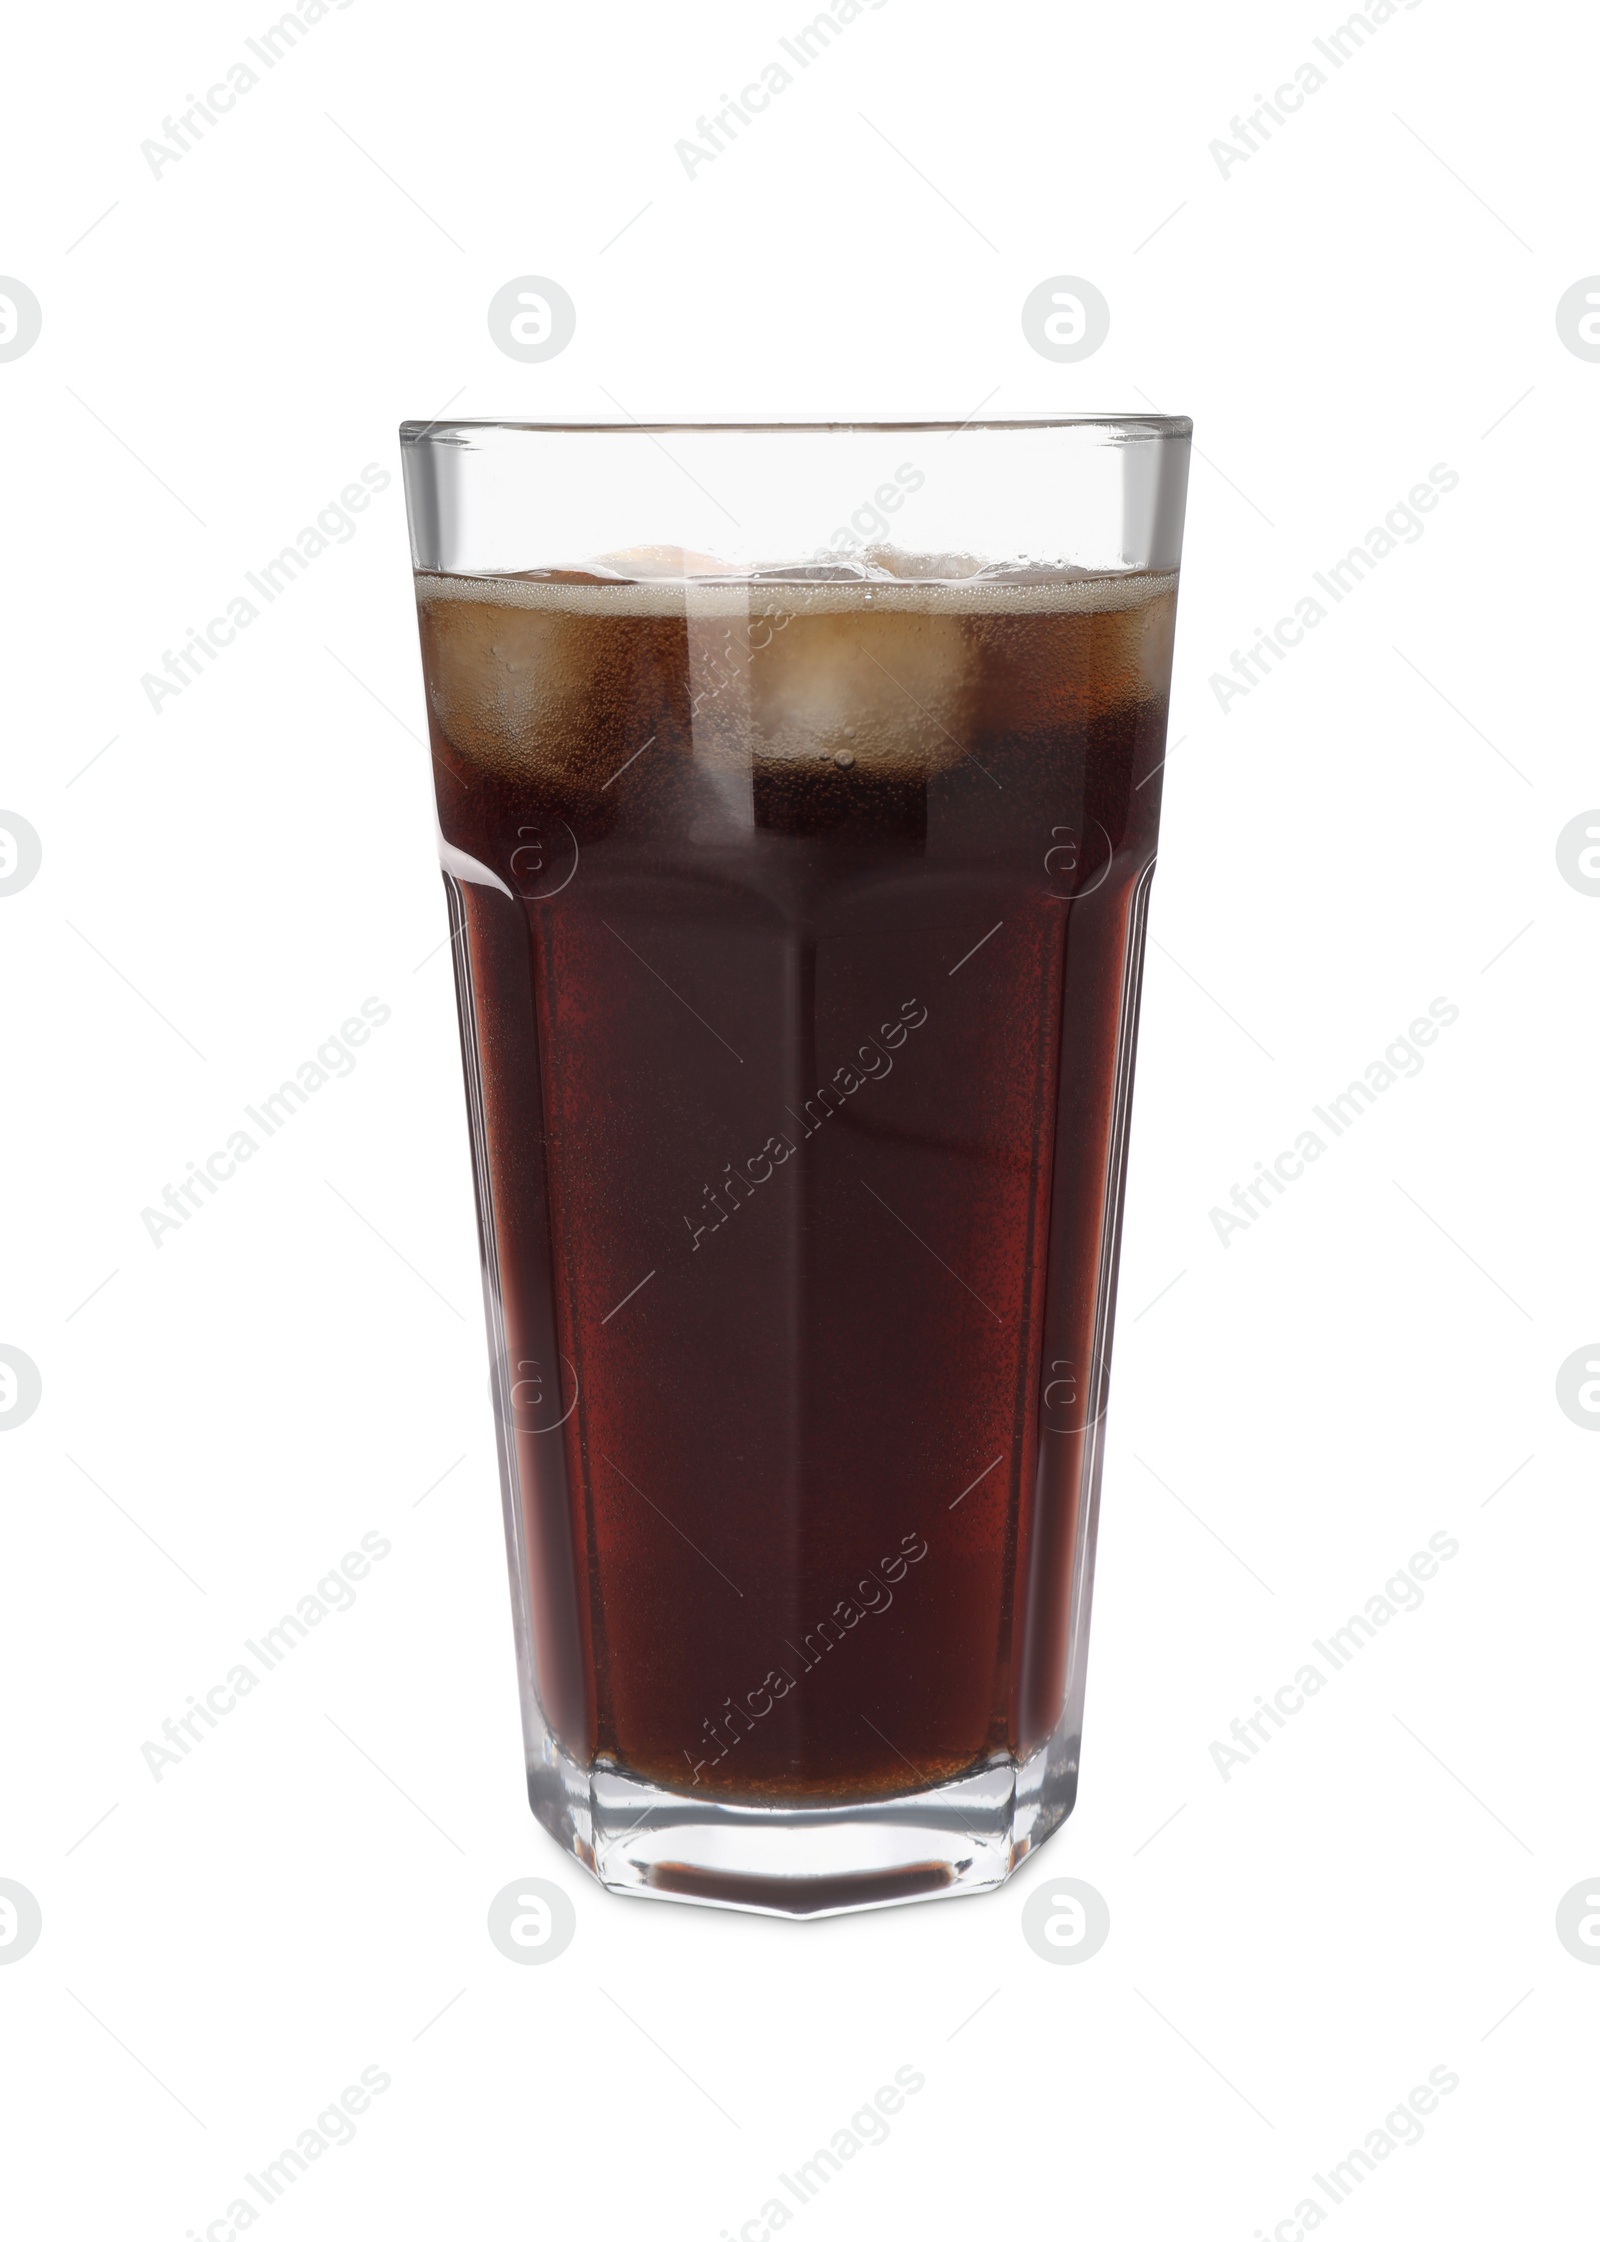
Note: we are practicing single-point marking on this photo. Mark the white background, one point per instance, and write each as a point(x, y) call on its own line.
point(224, 881)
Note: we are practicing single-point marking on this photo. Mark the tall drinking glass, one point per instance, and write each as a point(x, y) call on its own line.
point(797, 795)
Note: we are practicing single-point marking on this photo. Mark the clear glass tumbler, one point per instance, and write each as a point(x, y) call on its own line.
point(797, 794)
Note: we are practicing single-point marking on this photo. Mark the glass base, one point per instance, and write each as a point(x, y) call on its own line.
point(958, 1837)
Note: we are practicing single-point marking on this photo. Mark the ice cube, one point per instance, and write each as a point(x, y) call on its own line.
point(521, 684)
point(847, 683)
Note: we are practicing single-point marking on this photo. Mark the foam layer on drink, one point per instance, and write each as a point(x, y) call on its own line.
point(892, 673)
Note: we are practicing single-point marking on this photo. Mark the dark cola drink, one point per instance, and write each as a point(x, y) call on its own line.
point(798, 923)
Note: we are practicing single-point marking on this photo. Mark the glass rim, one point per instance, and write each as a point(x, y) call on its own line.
point(1151, 426)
